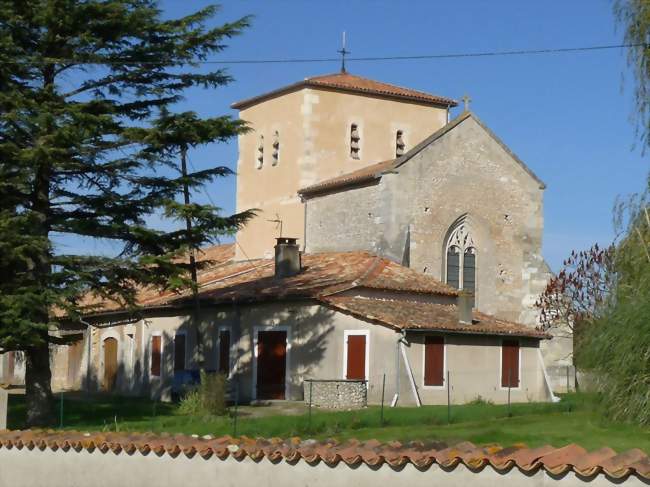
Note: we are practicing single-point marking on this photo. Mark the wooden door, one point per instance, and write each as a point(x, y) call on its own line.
point(110, 363)
point(356, 358)
point(75, 353)
point(271, 364)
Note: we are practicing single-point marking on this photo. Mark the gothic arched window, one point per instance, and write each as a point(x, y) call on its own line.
point(460, 250)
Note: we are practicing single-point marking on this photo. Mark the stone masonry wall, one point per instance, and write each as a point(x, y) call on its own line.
point(336, 394)
point(464, 174)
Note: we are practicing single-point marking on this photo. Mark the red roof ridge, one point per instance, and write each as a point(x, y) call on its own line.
point(354, 84)
point(334, 77)
point(364, 174)
point(401, 314)
point(371, 453)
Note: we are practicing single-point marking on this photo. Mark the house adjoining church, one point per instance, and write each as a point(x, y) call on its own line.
point(410, 249)
point(272, 325)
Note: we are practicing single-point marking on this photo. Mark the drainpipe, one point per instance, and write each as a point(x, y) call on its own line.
point(304, 239)
point(393, 403)
point(407, 364)
point(554, 398)
point(400, 350)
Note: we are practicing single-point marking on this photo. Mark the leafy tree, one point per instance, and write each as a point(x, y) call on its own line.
point(578, 294)
point(617, 347)
point(89, 147)
point(634, 16)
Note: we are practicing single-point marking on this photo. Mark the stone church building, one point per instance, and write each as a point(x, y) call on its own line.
point(418, 262)
point(342, 162)
point(348, 163)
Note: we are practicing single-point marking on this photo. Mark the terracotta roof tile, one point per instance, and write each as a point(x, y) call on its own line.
point(323, 273)
point(365, 174)
point(399, 278)
point(414, 315)
point(323, 278)
point(590, 460)
point(618, 466)
point(214, 257)
point(562, 459)
point(351, 83)
point(353, 452)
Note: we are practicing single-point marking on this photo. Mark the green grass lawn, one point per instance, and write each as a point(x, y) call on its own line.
point(574, 420)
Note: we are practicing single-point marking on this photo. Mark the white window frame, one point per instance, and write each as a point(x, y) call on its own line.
point(444, 362)
point(144, 326)
point(162, 354)
point(521, 379)
point(230, 358)
point(287, 359)
point(131, 341)
point(346, 334)
point(187, 355)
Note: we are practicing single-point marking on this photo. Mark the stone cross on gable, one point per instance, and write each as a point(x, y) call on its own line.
point(466, 100)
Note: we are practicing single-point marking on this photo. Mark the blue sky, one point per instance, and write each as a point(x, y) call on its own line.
point(566, 115)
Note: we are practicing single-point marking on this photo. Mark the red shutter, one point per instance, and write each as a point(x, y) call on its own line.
point(224, 352)
point(356, 357)
point(434, 361)
point(510, 363)
point(156, 355)
point(179, 353)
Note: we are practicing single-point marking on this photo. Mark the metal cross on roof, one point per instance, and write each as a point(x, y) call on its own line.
point(466, 101)
point(343, 51)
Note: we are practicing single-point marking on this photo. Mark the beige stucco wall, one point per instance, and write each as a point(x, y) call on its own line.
point(31, 468)
point(18, 376)
point(314, 128)
point(316, 350)
point(474, 369)
point(134, 354)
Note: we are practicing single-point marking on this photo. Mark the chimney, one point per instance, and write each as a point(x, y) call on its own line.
point(465, 304)
point(287, 257)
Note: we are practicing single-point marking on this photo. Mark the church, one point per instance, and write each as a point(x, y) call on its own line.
point(354, 164)
point(396, 246)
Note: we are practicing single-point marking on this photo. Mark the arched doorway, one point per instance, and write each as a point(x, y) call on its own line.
point(110, 364)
